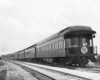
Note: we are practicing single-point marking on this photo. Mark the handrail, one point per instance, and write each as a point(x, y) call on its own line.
point(94, 48)
point(79, 46)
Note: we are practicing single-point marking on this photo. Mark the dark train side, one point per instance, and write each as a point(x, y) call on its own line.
point(70, 46)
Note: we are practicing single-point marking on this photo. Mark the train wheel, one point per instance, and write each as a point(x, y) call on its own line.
point(82, 65)
point(62, 61)
point(69, 61)
point(83, 61)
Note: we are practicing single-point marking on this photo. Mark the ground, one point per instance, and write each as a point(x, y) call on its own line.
point(95, 64)
point(9, 71)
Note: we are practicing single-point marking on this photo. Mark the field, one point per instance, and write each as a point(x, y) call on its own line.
point(9, 71)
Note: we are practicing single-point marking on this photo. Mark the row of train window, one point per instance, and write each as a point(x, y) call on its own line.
point(53, 46)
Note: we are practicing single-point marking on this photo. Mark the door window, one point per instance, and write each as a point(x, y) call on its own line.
point(68, 42)
point(91, 42)
point(76, 40)
point(84, 43)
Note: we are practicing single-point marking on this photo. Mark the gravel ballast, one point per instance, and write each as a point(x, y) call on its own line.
point(11, 71)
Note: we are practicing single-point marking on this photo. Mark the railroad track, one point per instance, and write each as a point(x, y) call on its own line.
point(49, 74)
point(85, 69)
point(38, 75)
point(92, 70)
point(61, 74)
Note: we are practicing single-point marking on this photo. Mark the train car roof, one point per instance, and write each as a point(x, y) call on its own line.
point(67, 30)
point(18, 52)
point(8, 54)
point(15, 53)
point(30, 47)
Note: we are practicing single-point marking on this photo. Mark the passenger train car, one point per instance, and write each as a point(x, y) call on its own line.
point(70, 46)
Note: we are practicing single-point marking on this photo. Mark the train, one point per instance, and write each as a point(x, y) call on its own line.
point(70, 46)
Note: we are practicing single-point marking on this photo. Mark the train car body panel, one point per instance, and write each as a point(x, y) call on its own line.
point(16, 55)
point(52, 48)
point(9, 57)
point(30, 52)
point(21, 54)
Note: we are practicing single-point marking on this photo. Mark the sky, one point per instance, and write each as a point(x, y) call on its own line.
point(26, 22)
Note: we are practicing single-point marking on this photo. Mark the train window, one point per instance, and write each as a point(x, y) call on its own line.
point(46, 47)
point(55, 46)
point(68, 42)
point(61, 45)
point(42, 48)
point(38, 49)
point(50, 47)
point(91, 43)
point(84, 42)
point(76, 40)
point(64, 44)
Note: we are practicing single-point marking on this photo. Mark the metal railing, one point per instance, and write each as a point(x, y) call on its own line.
point(73, 50)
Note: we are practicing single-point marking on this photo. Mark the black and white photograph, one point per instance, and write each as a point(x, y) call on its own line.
point(49, 40)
